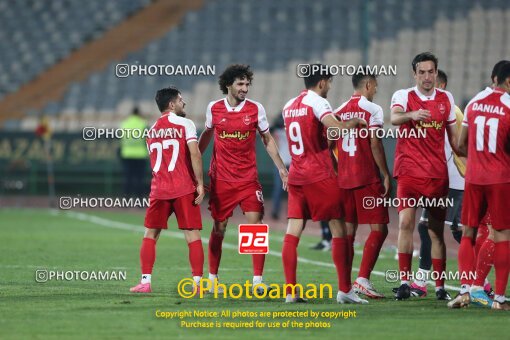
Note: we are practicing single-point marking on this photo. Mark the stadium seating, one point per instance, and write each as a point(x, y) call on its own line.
point(37, 34)
point(468, 36)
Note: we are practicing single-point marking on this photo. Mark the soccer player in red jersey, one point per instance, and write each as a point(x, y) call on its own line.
point(360, 160)
point(313, 189)
point(420, 164)
point(484, 245)
point(485, 140)
point(176, 186)
point(234, 122)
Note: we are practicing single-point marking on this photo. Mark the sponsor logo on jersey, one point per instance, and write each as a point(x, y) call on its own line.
point(235, 135)
point(442, 108)
point(433, 124)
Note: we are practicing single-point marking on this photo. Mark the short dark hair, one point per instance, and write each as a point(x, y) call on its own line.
point(425, 56)
point(362, 74)
point(165, 96)
point(496, 68)
point(442, 77)
point(503, 73)
point(317, 72)
point(233, 72)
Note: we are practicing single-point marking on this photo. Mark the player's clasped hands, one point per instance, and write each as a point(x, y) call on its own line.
point(420, 115)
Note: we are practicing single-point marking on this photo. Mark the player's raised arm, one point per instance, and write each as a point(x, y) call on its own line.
point(330, 121)
point(399, 115)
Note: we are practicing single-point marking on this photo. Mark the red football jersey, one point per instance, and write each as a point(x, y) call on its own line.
point(356, 164)
point(487, 117)
point(234, 155)
point(311, 161)
point(172, 173)
point(423, 157)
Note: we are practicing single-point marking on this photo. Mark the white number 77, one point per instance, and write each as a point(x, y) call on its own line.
point(164, 146)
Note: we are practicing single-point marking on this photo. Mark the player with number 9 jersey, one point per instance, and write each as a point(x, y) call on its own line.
point(313, 192)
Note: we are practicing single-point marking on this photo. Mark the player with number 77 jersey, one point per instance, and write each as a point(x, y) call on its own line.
point(312, 185)
point(176, 186)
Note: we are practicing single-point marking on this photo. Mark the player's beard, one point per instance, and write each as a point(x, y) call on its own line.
point(181, 114)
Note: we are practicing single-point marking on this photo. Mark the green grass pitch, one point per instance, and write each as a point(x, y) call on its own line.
point(93, 240)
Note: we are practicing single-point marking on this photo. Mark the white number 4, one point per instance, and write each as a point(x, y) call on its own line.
point(164, 146)
point(349, 145)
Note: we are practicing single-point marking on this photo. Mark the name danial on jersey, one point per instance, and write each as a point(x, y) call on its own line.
point(487, 108)
point(236, 135)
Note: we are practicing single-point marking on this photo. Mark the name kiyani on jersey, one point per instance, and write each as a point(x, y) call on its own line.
point(236, 134)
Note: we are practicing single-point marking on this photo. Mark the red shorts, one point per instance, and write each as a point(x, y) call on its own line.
point(225, 196)
point(355, 211)
point(187, 213)
point(319, 201)
point(491, 198)
point(414, 187)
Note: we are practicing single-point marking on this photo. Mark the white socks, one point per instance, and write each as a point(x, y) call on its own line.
point(146, 278)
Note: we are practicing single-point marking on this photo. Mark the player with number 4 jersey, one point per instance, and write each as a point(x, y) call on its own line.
point(360, 160)
point(176, 186)
point(313, 191)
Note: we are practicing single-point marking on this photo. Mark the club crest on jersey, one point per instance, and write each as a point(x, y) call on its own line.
point(247, 120)
point(442, 108)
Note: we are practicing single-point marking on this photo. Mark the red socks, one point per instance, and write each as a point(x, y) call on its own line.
point(439, 266)
point(289, 259)
point(502, 266)
point(340, 253)
point(147, 255)
point(196, 257)
point(466, 258)
point(483, 233)
point(350, 251)
point(484, 262)
point(215, 242)
point(405, 262)
point(258, 263)
point(371, 251)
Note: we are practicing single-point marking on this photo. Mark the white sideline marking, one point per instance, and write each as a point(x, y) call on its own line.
point(137, 228)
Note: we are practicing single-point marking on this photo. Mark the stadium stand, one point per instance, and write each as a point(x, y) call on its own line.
point(50, 31)
point(466, 35)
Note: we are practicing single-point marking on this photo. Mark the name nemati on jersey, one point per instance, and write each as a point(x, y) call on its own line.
point(295, 113)
point(351, 115)
point(487, 108)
